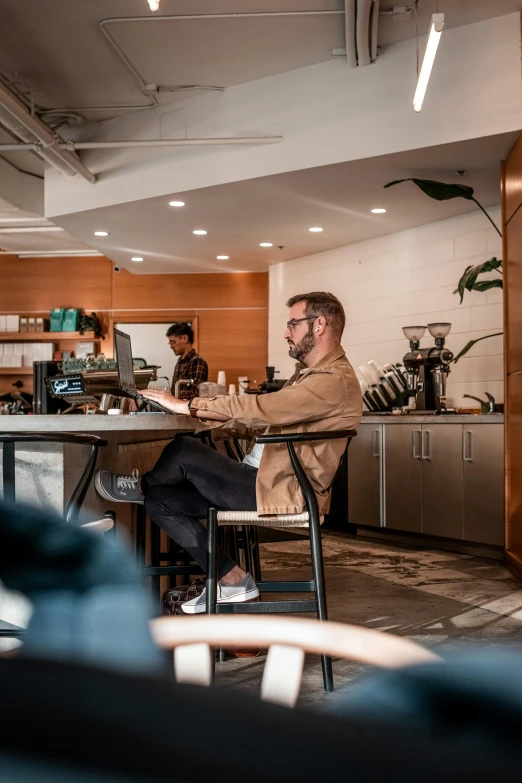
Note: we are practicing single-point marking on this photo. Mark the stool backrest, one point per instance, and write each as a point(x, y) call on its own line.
point(287, 640)
point(8, 441)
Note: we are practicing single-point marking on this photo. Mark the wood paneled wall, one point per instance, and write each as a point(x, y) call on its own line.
point(232, 309)
point(512, 267)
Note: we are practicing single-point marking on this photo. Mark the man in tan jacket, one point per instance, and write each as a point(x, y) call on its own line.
point(322, 394)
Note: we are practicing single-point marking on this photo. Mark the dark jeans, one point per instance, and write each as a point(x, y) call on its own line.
point(187, 479)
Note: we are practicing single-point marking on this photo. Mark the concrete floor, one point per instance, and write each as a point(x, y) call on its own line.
point(442, 600)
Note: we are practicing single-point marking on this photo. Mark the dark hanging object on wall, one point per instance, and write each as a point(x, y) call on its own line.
point(91, 323)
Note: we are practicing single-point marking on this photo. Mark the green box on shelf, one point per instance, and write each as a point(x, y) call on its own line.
point(71, 320)
point(56, 320)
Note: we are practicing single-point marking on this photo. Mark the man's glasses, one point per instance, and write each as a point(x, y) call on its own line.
point(290, 325)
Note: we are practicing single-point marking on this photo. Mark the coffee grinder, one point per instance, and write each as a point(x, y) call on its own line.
point(427, 368)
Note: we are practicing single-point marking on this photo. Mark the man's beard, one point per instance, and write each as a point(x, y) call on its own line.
point(301, 350)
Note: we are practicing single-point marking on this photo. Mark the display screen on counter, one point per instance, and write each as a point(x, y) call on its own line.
point(65, 385)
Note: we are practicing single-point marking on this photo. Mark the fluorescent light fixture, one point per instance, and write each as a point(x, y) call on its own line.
point(200, 232)
point(29, 229)
point(154, 5)
point(222, 258)
point(378, 211)
point(266, 244)
point(315, 229)
point(23, 220)
point(137, 258)
point(176, 203)
point(101, 233)
point(54, 253)
point(437, 25)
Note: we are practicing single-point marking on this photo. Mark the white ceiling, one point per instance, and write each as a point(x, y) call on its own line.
point(281, 208)
point(57, 48)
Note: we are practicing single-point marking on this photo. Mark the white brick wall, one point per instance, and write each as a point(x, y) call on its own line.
point(401, 279)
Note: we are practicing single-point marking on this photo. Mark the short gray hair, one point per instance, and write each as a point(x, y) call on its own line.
point(325, 304)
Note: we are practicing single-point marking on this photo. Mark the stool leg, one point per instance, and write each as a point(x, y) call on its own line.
point(212, 548)
point(155, 549)
point(9, 472)
point(316, 549)
point(247, 550)
point(141, 526)
point(255, 552)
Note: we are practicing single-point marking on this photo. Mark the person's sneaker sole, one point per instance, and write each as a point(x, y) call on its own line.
point(246, 598)
point(100, 489)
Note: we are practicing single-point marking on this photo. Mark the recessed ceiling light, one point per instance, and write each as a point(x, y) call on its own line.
point(315, 229)
point(222, 258)
point(136, 258)
point(265, 244)
point(176, 203)
point(101, 233)
point(378, 211)
point(200, 232)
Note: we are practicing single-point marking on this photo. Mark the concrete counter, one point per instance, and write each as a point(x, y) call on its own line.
point(148, 422)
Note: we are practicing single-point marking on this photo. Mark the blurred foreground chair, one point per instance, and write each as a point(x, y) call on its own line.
point(311, 519)
point(287, 640)
point(73, 506)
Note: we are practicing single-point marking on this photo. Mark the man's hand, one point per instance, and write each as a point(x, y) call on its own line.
point(166, 399)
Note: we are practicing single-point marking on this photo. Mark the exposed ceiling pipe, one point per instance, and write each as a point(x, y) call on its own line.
point(48, 143)
point(364, 8)
point(349, 26)
point(375, 30)
point(183, 17)
point(109, 145)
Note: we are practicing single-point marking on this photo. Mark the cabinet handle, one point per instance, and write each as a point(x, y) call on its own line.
point(467, 453)
point(414, 441)
point(376, 444)
point(425, 454)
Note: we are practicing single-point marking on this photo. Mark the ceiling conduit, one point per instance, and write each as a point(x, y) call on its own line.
point(362, 31)
point(349, 26)
point(113, 145)
point(48, 144)
point(374, 30)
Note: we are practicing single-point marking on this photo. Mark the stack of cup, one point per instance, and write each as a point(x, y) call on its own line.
point(232, 389)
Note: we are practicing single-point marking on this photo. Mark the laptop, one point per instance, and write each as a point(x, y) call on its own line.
point(127, 381)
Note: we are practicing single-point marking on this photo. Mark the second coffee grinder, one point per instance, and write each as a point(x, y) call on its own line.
point(428, 368)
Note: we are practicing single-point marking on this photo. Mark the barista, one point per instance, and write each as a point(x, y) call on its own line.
point(190, 365)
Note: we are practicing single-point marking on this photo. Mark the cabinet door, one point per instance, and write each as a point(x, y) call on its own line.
point(403, 477)
point(364, 476)
point(483, 456)
point(442, 480)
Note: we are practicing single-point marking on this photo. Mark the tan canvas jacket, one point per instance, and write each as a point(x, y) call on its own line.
point(324, 397)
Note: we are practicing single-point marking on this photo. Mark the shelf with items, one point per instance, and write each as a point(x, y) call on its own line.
point(8, 337)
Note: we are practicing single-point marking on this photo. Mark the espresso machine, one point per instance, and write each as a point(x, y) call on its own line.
point(271, 384)
point(427, 369)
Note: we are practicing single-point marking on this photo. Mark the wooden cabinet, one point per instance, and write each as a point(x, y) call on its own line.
point(513, 292)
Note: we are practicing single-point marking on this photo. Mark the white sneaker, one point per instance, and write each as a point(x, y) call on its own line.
point(243, 591)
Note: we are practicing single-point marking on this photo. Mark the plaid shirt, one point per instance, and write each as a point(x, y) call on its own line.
point(192, 367)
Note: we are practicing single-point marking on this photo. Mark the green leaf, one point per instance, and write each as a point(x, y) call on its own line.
point(471, 343)
point(468, 281)
point(441, 191)
point(485, 285)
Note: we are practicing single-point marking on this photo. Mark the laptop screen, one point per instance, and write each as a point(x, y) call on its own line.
point(122, 345)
